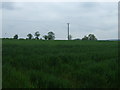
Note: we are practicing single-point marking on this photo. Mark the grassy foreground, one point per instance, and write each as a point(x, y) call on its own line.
point(59, 64)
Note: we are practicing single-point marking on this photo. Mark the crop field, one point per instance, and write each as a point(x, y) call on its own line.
point(59, 64)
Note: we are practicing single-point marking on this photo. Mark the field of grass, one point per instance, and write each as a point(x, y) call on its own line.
point(59, 64)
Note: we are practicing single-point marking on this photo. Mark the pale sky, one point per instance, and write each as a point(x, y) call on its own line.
point(100, 19)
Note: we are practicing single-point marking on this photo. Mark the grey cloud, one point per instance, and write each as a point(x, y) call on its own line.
point(84, 18)
point(90, 4)
point(8, 5)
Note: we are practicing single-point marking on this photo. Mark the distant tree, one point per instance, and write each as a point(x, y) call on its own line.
point(30, 36)
point(77, 39)
point(91, 37)
point(51, 36)
point(15, 37)
point(85, 38)
point(70, 37)
point(21, 39)
point(45, 37)
point(37, 34)
point(41, 39)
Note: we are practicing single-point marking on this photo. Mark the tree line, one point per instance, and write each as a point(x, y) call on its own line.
point(86, 37)
point(51, 36)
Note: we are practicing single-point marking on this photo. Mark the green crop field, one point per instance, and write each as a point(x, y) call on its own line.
point(59, 64)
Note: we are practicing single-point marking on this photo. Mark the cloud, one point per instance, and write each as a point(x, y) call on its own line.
point(11, 5)
point(84, 18)
point(8, 5)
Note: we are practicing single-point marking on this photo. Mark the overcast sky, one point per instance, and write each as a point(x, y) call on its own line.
point(100, 19)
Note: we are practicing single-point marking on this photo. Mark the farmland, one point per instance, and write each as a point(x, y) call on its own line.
point(59, 64)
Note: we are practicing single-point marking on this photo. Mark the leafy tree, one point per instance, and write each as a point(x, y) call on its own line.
point(91, 37)
point(30, 36)
point(15, 37)
point(51, 36)
point(37, 34)
point(85, 38)
point(70, 37)
point(45, 37)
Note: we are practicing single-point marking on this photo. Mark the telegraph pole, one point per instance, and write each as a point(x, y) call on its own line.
point(68, 30)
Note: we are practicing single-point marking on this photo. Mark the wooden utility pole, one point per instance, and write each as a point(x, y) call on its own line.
point(68, 30)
